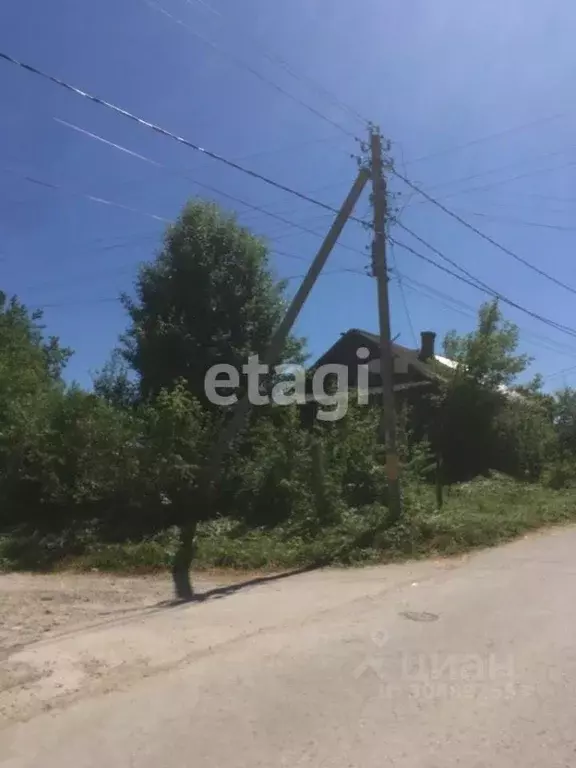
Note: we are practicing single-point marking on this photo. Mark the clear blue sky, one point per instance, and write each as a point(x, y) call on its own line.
point(434, 76)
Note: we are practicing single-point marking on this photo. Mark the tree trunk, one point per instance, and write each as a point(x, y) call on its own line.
point(439, 482)
point(182, 562)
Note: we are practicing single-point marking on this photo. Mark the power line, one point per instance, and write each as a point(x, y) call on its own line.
point(489, 137)
point(110, 243)
point(164, 132)
point(486, 289)
point(554, 198)
point(241, 63)
point(209, 187)
point(75, 303)
point(520, 222)
point(115, 299)
point(429, 292)
point(93, 198)
point(84, 195)
point(275, 58)
point(292, 147)
point(545, 342)
point(499, 169)
point(500, 182)
point(279, 234)
point(339, 271)
point(519, 199)
point(207, 6)
point(493, 184)
point(303, 258)
point(116, 270)
point(179, 173)
point(284, 210)
point(403, 296)
point(285, 149)
point(445, 258)
point(343, 246)
point(130, 268)
point(560, 373)
point(291, 255)
point(484, 236)
point(471, 279)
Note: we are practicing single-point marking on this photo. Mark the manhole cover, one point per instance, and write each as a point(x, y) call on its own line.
point(420, 616)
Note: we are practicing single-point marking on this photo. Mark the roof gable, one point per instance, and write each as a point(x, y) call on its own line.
point(406, 361)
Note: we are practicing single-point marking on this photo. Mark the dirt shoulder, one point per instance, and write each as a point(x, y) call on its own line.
point(104, 633)
point(39, 607)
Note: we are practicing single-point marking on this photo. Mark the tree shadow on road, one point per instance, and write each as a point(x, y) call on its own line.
point(217, 593)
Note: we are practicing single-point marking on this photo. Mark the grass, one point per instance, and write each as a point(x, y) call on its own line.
point(481, 513)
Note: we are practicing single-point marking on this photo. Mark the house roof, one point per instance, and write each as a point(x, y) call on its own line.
point(406, 360)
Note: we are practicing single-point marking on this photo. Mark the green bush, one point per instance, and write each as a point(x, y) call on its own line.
point(104, 478)
point(560, 474)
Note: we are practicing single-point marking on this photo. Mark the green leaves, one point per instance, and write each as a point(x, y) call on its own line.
point(30, 382)
point(487, 355)
point(479, 422)
point(208, 298)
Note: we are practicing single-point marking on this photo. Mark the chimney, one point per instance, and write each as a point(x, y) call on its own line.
point(427, 345)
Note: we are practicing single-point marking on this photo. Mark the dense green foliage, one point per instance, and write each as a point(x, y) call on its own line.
point(109, 477)
point(479, 420)
point(208, 298)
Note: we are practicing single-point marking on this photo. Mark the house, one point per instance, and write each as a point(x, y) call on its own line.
point(413, 368)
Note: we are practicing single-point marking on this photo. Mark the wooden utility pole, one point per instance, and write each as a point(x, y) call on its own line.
point(274, 351)
point(380, 268)
point(183, 556)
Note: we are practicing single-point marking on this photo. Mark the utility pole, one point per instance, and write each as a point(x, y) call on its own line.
point(279, 337)
point(380, 268)
point(183, 557)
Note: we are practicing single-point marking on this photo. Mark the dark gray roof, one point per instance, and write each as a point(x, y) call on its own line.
point(405, 359)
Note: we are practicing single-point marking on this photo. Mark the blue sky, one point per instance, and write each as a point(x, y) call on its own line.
point(434, 76)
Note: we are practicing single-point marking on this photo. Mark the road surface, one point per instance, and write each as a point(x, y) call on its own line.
point(464, 663)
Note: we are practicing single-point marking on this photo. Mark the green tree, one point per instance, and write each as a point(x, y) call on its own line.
point(524, 439)
point(67, 457)
point(86, 464)
point(115, 385)
point(209, 297)
point(475, 394)
point(487, 356)
point(176, 438)
point(266, 478)
point(28, 361)
point(565, 421)
point(30, 379)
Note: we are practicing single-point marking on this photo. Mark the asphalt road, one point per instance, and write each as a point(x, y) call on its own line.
point(463, 664)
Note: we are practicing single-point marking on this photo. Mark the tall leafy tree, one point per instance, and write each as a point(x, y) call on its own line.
point(565, 421)
point(473, 412)
point(209, 297)
point(28, 360)
point(30, 379)
point(488, 356)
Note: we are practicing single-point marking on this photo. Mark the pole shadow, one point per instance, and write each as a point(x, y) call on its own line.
point(217, 593)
